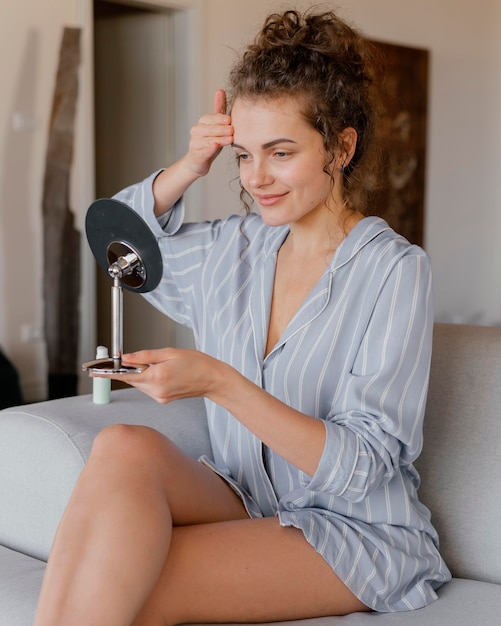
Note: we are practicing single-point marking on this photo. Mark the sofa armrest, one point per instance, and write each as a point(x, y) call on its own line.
point(44, 446)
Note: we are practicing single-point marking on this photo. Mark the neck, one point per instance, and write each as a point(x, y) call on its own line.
point(320, 237)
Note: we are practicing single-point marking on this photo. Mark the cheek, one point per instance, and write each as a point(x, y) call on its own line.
point(310, 181)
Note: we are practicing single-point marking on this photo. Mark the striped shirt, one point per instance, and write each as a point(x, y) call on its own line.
point(356, 355)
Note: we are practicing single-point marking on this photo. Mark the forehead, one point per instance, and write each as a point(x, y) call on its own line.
point(282, 102)
point(264, 116)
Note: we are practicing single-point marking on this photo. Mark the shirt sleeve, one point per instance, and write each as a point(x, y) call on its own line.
point(185, 248)
point(379, 426)
point(139, 197)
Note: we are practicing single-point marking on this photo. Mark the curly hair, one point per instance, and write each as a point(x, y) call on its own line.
point(329, 65)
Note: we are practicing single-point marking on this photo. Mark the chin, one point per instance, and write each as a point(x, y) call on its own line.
point(271, 218)
point(276, 223)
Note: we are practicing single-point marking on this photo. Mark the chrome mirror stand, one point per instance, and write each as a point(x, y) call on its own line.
point(127, 250)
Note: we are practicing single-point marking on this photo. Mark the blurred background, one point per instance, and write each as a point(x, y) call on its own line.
point(149, 70)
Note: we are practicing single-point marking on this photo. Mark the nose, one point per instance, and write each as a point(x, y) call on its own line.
point(260, 174)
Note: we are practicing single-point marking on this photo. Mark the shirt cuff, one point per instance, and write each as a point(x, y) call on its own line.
point(171, 221)
point(337, 463)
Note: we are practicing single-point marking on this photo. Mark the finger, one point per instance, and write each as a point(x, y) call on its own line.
point(147, 356)
point(220, 101)
point(137, 357)
point(209, 128)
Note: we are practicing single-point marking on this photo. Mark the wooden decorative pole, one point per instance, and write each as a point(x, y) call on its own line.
point(61, 240)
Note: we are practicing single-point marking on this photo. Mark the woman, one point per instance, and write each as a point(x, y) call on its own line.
point(313, 326)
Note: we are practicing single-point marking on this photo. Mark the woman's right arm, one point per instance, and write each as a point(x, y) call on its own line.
point(208, 137)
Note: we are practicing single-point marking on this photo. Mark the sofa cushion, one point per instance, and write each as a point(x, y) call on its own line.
point(20, 582)
point(43, 448)
point(461, 458)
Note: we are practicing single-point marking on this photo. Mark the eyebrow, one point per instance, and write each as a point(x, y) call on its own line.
point(269, 144)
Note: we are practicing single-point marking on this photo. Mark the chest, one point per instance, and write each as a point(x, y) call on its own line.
point(293, 281)
point(279, 322)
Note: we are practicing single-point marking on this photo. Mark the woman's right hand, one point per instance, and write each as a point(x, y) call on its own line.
point(212, 132)
point(208, 137)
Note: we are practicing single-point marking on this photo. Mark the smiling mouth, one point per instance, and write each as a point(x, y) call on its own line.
point(269, 199)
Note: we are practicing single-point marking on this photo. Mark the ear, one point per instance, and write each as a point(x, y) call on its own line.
point(347, 145)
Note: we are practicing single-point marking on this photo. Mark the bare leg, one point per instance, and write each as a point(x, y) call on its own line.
point(244, 571)
point(113, 540)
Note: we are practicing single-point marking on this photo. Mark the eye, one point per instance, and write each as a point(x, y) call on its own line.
point(281, 154)
point(242, 156)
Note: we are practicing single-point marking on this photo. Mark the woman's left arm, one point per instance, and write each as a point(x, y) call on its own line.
point(176, 373)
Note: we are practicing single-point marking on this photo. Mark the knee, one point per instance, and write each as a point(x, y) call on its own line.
point(124, 442)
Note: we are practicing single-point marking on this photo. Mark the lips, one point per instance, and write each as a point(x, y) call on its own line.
point(269, 199)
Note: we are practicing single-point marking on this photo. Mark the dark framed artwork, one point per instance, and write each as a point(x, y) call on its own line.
point(403, 83)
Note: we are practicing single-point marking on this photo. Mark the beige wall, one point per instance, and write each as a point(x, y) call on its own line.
point(30, 34)
point(463, 219)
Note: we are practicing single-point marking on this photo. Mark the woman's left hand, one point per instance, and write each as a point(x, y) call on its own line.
point(173, 373)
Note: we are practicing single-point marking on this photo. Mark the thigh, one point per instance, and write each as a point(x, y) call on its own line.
point(148, 464)
point(250, 570)
point(196, 494)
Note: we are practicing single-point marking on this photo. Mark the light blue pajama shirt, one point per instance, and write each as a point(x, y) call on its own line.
point(356, 355)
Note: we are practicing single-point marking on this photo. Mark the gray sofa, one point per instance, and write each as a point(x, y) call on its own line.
point(44, 446)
